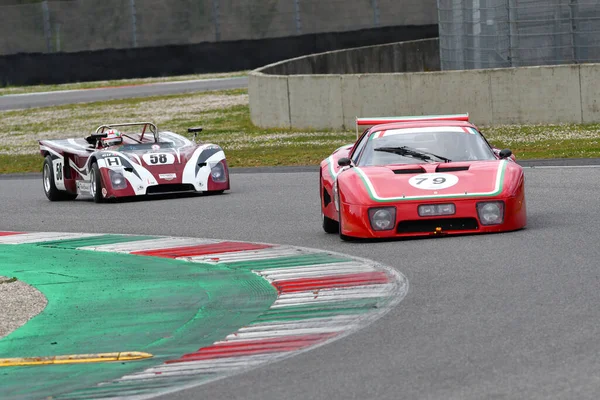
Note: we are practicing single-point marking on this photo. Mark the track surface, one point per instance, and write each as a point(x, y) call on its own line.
point(29, 100)
point(509, 315)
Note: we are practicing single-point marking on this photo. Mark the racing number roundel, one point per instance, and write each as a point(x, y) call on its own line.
point(158, 158)
point(433, 181)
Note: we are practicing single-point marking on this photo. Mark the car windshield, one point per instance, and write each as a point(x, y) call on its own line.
point(425, 145)
point(145, 146)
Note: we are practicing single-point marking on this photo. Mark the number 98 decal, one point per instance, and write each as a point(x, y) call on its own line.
point(158, 158)
point(433, 181)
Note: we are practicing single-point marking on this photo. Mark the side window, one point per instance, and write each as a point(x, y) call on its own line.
point(360, 146)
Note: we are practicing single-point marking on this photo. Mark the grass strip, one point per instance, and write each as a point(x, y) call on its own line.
point(225, 116)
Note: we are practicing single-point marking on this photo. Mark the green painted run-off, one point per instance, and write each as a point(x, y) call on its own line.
point(106, 302)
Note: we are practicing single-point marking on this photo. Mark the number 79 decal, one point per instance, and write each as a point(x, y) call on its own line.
point(433, 181)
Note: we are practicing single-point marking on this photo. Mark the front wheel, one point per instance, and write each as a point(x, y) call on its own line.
point(50, 189)
point(96, 184)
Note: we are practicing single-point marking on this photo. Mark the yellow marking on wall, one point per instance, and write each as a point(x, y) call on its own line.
point(74, 359)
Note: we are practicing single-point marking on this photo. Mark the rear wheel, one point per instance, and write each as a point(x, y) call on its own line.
point(50, 189)
point(330, 225)
point(96, 184)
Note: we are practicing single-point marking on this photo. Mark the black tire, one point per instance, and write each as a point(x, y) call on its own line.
point(96, 184)
point(49, 185)
point(330, 225)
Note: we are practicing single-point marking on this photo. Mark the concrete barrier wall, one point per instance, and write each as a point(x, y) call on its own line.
point(52, 68)
point(529, 95)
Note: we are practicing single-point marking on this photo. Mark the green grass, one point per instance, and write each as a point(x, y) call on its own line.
point(226, 120)
point(125, 82)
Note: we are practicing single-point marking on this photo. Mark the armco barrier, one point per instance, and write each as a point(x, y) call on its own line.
point(328, 90)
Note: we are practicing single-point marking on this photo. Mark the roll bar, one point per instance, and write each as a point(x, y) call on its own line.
point(152, 127)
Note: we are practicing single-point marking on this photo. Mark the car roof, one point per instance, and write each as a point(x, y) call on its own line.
point(420, 124)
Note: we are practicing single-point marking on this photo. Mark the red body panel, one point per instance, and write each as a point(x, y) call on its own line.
point(362, 188)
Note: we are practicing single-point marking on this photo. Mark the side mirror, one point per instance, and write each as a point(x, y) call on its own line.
point(505, 153)
point(344, 162)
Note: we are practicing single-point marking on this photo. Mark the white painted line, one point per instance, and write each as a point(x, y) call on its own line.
point(315, 272)
point(203, 366)
point(287, 332)
point(246, 255)
point(149, 244)
point(28, 238)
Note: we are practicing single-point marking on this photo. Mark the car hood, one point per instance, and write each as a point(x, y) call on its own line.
point(476, 178)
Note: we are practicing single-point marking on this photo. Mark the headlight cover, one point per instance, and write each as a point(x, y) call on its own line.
point(430, 210)
point(491, 212)
point(382, 218)
point(117, 180)
point(217, 172)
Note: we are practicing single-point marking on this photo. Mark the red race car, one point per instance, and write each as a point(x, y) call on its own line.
point(131, 159)
point(420, 176)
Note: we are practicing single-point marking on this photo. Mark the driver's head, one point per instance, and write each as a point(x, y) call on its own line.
point(113, 137)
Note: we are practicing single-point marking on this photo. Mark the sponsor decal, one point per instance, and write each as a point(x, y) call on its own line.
point(113, 161)
point(167, 177)
point(433, 181)
point(83, 186)
point(155, 147)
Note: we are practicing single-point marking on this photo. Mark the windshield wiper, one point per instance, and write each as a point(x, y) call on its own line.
point(410, 152)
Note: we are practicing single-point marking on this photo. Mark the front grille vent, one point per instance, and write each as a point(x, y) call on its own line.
point(418, 170)
point(429, 225)
point(176, 187)
point(441, 168)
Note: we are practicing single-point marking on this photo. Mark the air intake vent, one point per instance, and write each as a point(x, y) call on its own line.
point(418, 170)
point(442, 168)
point(430, 225)
point(170, 188)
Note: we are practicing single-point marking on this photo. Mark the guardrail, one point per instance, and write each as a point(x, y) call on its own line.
point(329, 90)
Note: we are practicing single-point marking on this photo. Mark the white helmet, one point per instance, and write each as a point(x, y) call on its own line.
point(113, 137)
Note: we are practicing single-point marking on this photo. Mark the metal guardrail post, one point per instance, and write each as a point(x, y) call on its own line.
point(513, 33)
point(47, 29)
point(574, 16)
point(215, 10)
point(297, 17)
point(133, 22)
point(376, 14)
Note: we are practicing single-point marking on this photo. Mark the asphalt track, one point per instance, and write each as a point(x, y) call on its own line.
point(45, 99)
point(510, 315)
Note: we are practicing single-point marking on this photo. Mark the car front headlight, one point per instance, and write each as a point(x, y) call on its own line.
point(217, 172)
point(117, 180)
point(382, 218)
point(491, 213)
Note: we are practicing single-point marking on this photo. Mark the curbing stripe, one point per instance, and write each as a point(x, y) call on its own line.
point(322, 296)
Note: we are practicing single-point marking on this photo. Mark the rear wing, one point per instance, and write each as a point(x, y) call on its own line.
point(371, 121)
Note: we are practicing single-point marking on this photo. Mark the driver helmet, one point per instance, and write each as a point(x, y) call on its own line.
point(113, 137)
